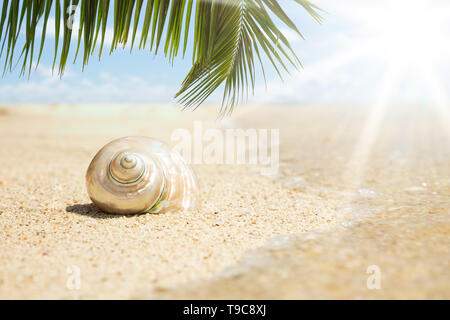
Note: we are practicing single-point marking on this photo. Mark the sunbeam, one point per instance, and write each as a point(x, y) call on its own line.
point(440, 99)
point(358, 160)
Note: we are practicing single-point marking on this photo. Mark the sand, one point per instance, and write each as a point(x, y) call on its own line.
point(349, 195)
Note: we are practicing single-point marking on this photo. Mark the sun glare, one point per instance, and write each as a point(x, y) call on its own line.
point(410, 35)
point(411, 31)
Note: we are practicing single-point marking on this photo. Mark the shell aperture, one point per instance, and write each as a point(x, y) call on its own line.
point(140, 174)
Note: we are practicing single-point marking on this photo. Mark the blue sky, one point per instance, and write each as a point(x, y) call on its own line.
point(345, 60)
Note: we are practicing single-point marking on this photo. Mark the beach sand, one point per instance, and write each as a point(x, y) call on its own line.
point(351, 193)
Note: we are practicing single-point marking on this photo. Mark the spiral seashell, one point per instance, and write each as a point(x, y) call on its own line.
point(140, 174)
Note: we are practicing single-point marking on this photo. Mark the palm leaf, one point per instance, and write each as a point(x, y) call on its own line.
point(228, 36)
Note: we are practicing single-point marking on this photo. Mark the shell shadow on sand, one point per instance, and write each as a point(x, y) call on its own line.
point(91, 210)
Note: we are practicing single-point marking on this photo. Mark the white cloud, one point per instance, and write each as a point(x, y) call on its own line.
point(48, 88)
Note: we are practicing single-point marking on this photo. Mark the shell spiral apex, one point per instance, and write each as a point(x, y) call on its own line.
point(139, 174)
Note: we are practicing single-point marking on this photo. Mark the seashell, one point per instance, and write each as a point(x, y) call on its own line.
point(139, 174)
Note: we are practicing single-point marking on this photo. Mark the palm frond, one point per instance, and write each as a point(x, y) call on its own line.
point(228, 36)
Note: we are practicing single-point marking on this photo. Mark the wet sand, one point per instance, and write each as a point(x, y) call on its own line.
point(348, 195)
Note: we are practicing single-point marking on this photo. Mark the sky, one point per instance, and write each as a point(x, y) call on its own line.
point(349, 58)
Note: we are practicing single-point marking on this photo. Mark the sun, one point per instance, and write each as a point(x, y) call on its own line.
point(410, 32)
point(405, 45)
